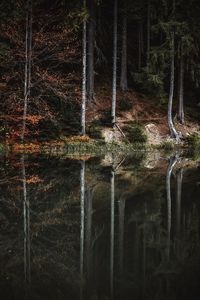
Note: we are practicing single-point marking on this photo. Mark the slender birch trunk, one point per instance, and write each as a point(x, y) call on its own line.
point(173, 132)
point(123, 81)
point(181, 92)
point(112, 232)
point(91, 38)
point(82, 182)
point(84, 91)
point(173, 161)
point(28, 55)
point(114, 84)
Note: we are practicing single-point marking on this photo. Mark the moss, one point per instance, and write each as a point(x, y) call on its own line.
point(135, 133)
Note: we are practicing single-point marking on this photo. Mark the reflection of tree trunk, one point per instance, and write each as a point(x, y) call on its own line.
point(121, 232)
point(144, 251)
point(89, 237)
point(27, 271)
point(82, 181)
point(173, 161)
point(114, 84)
point(178, 208)
point(83, 107)
point(136, 248)
point(112, 220)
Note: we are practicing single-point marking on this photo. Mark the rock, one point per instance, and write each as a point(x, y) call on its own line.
point(153, 134)
point(111, 135)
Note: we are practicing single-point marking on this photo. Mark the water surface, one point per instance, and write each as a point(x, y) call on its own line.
point(99, 228)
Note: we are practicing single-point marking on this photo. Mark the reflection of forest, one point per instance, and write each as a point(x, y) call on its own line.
point(72, 230)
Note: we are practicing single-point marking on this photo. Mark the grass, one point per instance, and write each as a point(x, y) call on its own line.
point(193, 141)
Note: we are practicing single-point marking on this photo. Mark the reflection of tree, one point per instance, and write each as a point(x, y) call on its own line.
point(27, 270)
point(121, 231)
point(178, 209)
point(172, 163)
point(82, 181)
point(112, 231)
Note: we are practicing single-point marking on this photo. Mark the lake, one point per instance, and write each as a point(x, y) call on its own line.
point(109, 227)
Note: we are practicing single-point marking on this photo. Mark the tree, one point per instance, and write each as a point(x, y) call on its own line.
point(180, 114)
point(123, 81)
point(84, 92)
point(148, 30)
point(91, 40)
point(114, 83)
point(173, 132)
point(28, 55)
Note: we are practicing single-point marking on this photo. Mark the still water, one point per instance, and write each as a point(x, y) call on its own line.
point(99, 228)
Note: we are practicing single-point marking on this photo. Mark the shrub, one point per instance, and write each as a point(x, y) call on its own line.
point(135, 133)
point(93, 129)
point(193, 141)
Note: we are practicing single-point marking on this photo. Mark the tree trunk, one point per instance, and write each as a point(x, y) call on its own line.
point(28, 54)
point(82, 227)
point(84, 92)
point(123, 81)
point(181, 91)
point(91, 38)
point(172, 164)
point(140, 44)
point(148, 31)
point(173, 132)
point(114, 84)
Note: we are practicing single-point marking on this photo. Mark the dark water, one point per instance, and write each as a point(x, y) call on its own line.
point(99, 228)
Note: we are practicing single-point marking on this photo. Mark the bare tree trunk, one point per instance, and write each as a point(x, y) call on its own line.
point(91, 38)
point(84, 92)
point(28, 54)
point(123, 81)
point(27, 263)
point(114, 84)
point(140, 44)
point(173, 161)
point(112, 232)
point(173, 132)
point(82, 181)
point(148, 31)
point(181, 91)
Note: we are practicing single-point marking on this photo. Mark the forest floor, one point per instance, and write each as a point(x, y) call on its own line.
point(132, 108)
point(138, 108)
